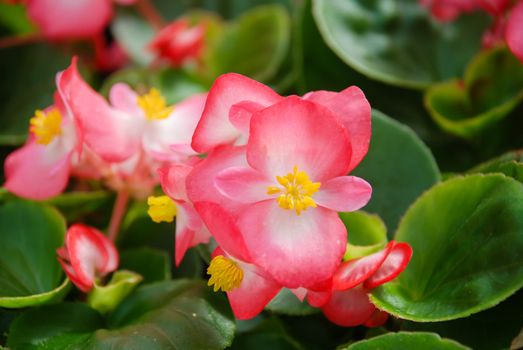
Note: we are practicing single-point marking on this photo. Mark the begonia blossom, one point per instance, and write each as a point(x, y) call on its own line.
point(87, 256)
point(298, 154)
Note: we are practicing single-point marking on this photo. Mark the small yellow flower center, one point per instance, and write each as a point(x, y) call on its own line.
point(46, 126)
point(225, 274)
point(154, 106)
point(161, 209)
point(295, 192)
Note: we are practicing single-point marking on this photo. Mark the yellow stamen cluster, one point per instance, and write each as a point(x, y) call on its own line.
point(46, 126)
point(154, 106)
point(225, 274)
point(161, 209)
point(296, 191)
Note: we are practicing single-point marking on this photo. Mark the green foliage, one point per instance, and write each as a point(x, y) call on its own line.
point(105, 298)
point(285, 302)
point(406, 341)
point(461, 263)
point(152, 264)
point(30, 273)
point(366, 234)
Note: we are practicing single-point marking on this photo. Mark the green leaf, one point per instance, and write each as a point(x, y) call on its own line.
point(366, 234)
point(152, 264)
point(407, 341)
point(492, 88)
point(74, 205)
point(396, 41)
point(168, 315)
point(509, 164)
point(270, 334)
point(254, 44)
point(106, 298)
point(487, 330)
point(467, 241)
point(285, 302)
point(30, 274)
point(398, 166)
point(14, 18)
point(133, 33)
point(28, 83)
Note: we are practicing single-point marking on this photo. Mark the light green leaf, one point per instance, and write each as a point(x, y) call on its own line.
point(366, 234)
point(106, 298)
point(133, 33)
point(407, 341)
point(467, 241)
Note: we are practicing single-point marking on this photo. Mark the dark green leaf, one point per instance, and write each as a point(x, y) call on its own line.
point(467, 241)
point(398, 166)
point(74, 205)
point(29, 271)
point(270, 334)
point(285, 302)
point(407, 341)
point(152, 264)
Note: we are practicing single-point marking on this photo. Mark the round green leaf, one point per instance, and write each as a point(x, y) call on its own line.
point(407, 341)
point(398, 166)
point(30, 274)
point(467, 241)
point(509, 164)
point(254, 44)
point(168, 315)
point(396, 41)
point(366, 234)
point(492, 88)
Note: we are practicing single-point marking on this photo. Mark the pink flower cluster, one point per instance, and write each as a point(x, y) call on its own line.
point(507, 25)
point(263, 175)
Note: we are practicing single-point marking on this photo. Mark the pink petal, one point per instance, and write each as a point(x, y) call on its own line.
point(124, 98)
point(201, 181)
point(190, 231)
point(240, 115)
point(172, 179)
point(353, 111)
point(84, 286)
point(112, 134)
point(494, 7)
point(396, 261)
point(214, 128)
point(349, 308)
point(297, 251)
point(377, 319)
point(514, 31)
point(242, 184)
point(318, 299)
point(448, 10)
point(356, 271)
point(177, 129)
point(66, 19)
point(223, 228)
point(254, 293)
point(298, 133)
point(36, 171)
point(90, 253)
point(343, 193)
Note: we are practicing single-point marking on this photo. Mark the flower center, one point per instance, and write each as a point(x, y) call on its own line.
point(154, 106)
point(46, 126)
point(296, 191)
point(225, 274)
point(161, 209)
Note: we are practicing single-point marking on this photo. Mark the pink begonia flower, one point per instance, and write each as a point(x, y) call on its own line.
point(179, 42)
point(87, 256)
point(190, 230)
point(234, 98)
point(349, 304)
point(298, 154)
point(249, 288)
point(41, 168)
point(449, 10)
point(69, 20)
point(133, 123)
point(514, 30)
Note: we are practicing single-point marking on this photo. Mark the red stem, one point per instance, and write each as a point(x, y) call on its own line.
point(151, 14)
point(118, 212)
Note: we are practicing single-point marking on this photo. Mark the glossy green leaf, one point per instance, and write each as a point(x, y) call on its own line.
point(467, 241)
point(407, 341)
point(152, 264)
point(492, 88)
point(398, 166)
point(366, 234)
point(29, 271)
point(285, 302)
point(28, 83)
point(270, 334)
point(396, 41)
point(487, 330)
point(107, 297)
point(254, 44)
point(168, 315)
point(74, 205)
